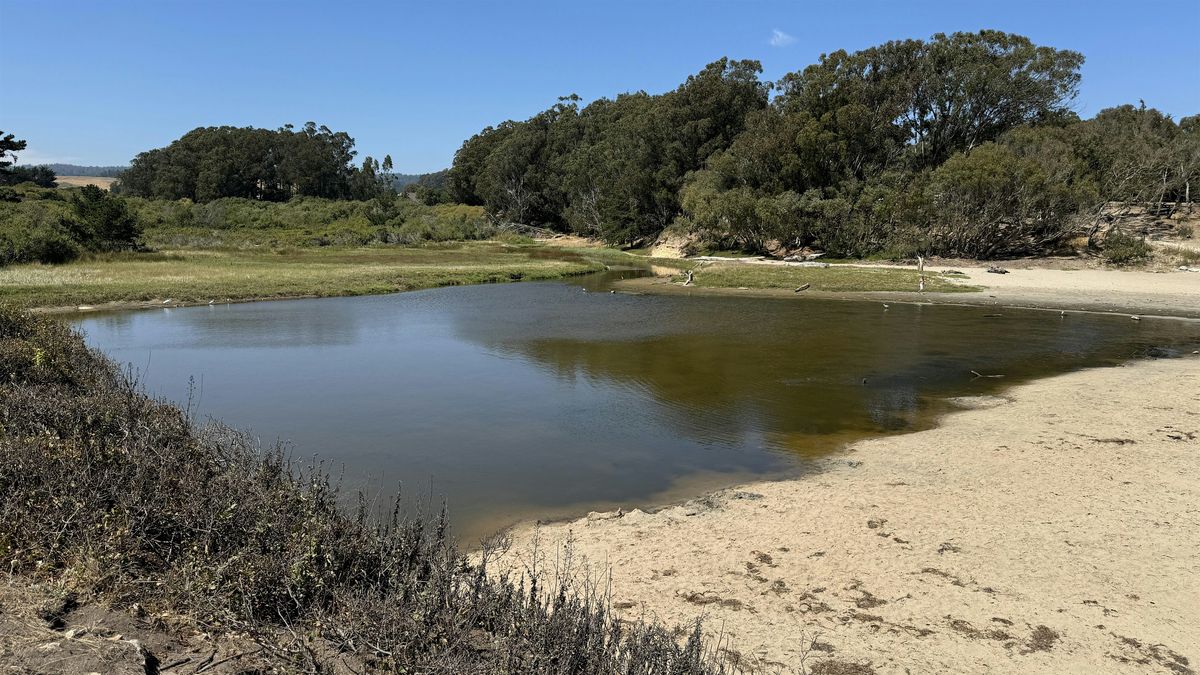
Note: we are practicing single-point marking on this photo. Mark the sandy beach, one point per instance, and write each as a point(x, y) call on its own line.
point(1054, 529)
point(1154, 293)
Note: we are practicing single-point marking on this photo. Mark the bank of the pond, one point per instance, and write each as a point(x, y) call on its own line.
point(192, 276)
point(1093, 290)
point(1051, 529)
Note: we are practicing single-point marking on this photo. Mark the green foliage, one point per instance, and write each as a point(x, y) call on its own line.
point(1124, 249)
point(200, 523)
point(10, 145)
point(962, 144)
point(103, 222)
point(308, 221)
point(211, 163)
point(614, 168)
point(40, 176)
point(45, 225)
point(13, 175)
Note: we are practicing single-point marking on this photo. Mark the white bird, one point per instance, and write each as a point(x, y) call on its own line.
point(886, 307)
point(166, 301)
point(1136, 318)
point(805, 287)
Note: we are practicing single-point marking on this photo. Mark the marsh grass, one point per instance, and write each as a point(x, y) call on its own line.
point(121, 499)
point(836, 278)
point(191, 276)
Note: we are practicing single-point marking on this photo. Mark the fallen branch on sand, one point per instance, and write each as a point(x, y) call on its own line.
point(979, 375)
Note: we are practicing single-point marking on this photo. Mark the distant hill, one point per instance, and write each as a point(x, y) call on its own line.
point(77, 170)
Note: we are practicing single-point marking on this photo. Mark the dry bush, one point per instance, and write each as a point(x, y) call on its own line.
point(123, 498)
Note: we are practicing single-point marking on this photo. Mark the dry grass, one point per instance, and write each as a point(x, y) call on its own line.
point(79, 181)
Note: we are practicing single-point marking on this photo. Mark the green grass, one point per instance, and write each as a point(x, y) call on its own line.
point(188, 276)
point(837, 278)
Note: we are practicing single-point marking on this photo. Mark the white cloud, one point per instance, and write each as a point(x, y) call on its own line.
point(780, 39)
point(34, 158)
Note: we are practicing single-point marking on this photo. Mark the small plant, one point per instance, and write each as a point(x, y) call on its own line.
point(1124, 249)
point(1184, 231)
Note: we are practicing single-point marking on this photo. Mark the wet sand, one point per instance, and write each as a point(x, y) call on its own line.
point(1055, 528)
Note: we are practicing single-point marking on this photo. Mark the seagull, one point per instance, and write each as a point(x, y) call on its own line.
point(886, 307)
point(803, 288)
point(166, 301)
point(1136, 318)
point(211, 301)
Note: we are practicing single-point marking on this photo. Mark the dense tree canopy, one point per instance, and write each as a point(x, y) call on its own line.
point(614, 167)
point(272, 165)
point(961, 144)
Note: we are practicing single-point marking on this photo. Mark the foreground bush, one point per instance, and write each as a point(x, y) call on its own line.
point(122, 497)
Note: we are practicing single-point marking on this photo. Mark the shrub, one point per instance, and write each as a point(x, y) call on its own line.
point(1124, 249)
point(103, 222)
point(121, 496)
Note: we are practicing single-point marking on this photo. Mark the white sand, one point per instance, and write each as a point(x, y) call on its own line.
point(1164, 293)
point(1071, 503)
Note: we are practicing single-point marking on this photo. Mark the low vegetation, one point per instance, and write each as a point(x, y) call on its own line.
point(836, 278)
point(121, 499)
point(308, 221)
point(194, 276)
point(50, 226)
point(1125, 249)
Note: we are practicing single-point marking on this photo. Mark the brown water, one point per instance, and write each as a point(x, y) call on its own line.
point(549, 399)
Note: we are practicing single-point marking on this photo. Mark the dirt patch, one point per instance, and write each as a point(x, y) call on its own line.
point(49, 630)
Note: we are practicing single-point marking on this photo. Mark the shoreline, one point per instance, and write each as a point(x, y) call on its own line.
point(1062, 540)
point(1148, 294)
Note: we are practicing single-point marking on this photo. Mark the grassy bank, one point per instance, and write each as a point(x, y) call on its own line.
point(114, 499)
point(191, 276)
point(836, 278)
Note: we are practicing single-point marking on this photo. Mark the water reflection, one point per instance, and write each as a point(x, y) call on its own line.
point(535, 398)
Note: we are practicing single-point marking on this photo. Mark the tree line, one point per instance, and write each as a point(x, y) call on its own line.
point(270, 165)
point(962, 144)
point(10, 145)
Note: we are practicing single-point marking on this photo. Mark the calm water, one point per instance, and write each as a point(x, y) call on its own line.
point(545, 399)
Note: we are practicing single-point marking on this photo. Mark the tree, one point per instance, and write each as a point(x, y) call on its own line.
point(42, 176)
point(9, 146)
point(272, 165)
point(103, 222)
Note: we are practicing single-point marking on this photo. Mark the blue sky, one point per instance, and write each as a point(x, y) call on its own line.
point(97, 82)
